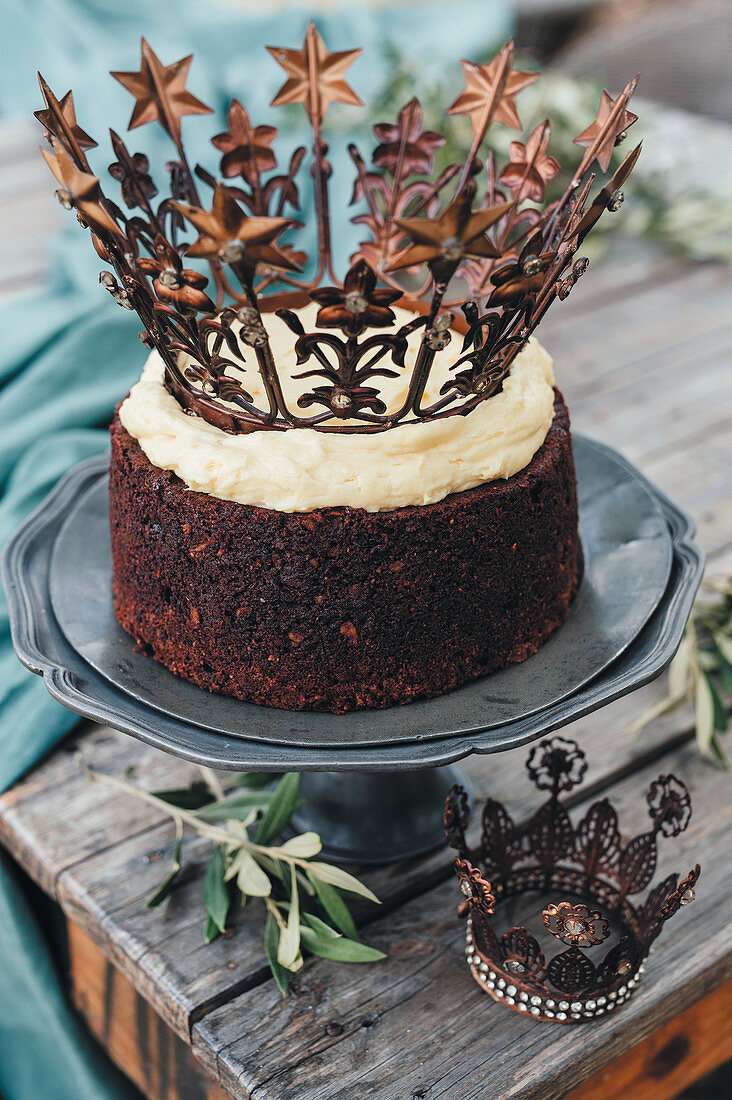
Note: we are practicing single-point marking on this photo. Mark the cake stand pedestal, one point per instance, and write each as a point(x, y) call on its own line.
point(374, 781)
point(376, 817)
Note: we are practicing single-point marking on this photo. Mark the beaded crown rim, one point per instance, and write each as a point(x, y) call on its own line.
point(590, 861)
point(483, 230)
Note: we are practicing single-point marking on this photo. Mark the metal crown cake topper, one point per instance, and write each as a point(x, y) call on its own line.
point(514, 256)
point(591, 862)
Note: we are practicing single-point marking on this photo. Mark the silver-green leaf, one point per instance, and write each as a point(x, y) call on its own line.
point(341, 949)
point(336, 876)
point(281, 808)
point(215, 890)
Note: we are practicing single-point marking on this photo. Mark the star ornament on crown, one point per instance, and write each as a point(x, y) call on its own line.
point(586, 875)
point(481, 250)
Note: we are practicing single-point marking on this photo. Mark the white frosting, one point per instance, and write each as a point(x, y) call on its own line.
point(301, 469)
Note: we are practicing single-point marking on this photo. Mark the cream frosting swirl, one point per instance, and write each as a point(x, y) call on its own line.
point(302, 469)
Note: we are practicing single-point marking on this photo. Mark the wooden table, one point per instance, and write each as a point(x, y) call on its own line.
point(642, 352)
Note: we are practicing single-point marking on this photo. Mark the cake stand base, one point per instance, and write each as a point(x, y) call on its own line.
point(376, 817)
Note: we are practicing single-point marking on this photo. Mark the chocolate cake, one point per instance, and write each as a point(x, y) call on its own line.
point(337, 493)
point(339, 608)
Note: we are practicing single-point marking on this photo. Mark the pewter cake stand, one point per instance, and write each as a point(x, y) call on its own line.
point(374, 781)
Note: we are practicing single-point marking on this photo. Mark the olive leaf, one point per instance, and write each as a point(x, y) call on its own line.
point(303, 846)
point(321, 927)
point(335, 907)
point(280, 809)
point(723, 643)
point(341, 949)
point(336, 876)
point(211, 931)
point(304, 906)
point(215, 892)
point(187, 798)
point(166, 885)
point(280, 974)
point(681, 667)
point(250, 878)
point(288, 952)
point(721, 718)
point(255, 781)
point(724, 649)
point(704, 711)
point(237, 807)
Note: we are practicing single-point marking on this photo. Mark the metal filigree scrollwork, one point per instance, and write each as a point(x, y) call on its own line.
point(595, 871)
point(556, 765)
point(475, 886)
point(620, 963)
point(597, 839)
point(669, 805)
point(347, 364)
point(455, 819)
point(475, 225)
point(571, 972)
point(501, 842)
point(522, 955)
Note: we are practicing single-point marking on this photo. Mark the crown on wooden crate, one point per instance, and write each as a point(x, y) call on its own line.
point(475, 224)
point(588, 869)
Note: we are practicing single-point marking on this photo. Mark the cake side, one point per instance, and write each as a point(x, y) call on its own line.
point(339, 608)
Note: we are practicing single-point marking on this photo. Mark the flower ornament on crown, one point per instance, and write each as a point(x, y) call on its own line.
point(556, 765)
point(669, 805)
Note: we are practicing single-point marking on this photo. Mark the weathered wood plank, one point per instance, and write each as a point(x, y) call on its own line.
point(699, 478)
point(417, 1026)
point(672, 411)
point(164, 1068)
point(162, 951)
point(55, 817)
point(674, 1057)
point(136, 1039)
point(610, 336)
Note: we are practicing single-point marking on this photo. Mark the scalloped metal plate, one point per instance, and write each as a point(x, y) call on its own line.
point(42, 647)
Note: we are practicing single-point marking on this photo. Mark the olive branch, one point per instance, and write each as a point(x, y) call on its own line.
point(302, 895)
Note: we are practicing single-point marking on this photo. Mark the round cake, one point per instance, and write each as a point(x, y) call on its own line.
point(304, 570)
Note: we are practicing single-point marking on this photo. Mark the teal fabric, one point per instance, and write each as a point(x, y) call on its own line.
point(45, 1053)
point(72, 353)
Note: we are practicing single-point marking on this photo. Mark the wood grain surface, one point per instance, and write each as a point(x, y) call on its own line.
point(692, 1044)
point(157, 1060)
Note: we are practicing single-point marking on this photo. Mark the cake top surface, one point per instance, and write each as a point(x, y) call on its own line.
point(477, 248)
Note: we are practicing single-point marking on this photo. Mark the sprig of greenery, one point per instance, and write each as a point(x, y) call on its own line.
point(302, 895)
point(701, 671)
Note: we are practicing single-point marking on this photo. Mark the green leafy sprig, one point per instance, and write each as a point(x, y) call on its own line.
point(305, 909)
point(701, 671)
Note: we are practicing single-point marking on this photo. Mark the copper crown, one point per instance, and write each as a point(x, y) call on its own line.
point(589, 861)
point(475, 226)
